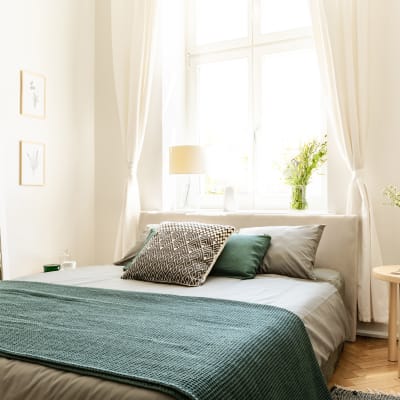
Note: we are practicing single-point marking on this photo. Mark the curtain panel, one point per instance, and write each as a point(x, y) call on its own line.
point(341, 33)
point(4, 266)
point(133, 31)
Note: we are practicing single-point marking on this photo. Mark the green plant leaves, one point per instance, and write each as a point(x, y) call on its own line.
point(311, 156)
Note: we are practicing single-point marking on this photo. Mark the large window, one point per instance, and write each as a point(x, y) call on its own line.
point(253, 92)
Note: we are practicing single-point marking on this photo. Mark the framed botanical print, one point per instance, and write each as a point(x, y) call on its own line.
point(32, 94)
point(32, 164)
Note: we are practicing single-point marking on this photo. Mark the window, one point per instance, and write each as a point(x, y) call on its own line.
point(253, 92)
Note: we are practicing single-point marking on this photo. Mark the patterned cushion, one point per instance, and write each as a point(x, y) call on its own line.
point(181, 253)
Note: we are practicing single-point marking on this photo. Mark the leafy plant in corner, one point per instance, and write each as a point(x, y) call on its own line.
point(298, 171)
point(392, 193)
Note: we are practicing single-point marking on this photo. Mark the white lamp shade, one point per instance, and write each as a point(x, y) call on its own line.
point(186, 160)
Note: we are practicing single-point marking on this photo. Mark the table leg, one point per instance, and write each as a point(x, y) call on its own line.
point(392, 328)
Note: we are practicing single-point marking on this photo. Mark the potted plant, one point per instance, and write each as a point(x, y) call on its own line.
point(298, 171)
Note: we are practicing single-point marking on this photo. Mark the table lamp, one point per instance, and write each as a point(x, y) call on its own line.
point(186, 160)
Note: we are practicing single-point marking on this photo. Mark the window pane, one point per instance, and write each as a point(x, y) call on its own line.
point(291, 115)
point(222, 121)
point(282, 15)
point(219, 20)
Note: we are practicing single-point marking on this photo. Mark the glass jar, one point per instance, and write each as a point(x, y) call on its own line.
point(298, 200)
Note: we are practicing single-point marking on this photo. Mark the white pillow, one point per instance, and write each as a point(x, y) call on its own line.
point(292, 250)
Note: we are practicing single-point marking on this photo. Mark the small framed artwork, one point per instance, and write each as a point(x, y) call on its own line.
point(32, 94)
point(32, 163)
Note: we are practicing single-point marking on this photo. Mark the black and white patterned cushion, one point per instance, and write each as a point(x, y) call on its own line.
point(181, 252)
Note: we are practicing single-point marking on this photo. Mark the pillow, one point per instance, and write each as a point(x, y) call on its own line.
point(144, 237)
point(242, 255)
point(130, 260)
point(292, 250)
point(180, 252)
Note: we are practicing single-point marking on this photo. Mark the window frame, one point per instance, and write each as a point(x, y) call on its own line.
point(254, 47)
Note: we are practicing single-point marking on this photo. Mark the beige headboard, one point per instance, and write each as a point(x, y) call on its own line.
point(338, 248)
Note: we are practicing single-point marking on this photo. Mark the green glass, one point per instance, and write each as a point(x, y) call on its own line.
point(298, 201)
point(51, 267)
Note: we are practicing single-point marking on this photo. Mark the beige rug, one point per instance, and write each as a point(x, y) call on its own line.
point(339, 393)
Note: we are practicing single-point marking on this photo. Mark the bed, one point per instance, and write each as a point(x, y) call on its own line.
point(328, 316)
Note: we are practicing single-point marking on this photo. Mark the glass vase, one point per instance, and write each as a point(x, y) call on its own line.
point(298, 200)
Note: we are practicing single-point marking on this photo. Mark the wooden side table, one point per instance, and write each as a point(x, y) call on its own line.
point(391, 274)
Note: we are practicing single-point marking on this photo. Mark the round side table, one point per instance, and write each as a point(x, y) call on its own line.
point(391, 274)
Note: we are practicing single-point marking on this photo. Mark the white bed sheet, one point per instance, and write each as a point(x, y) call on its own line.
point(318, 304)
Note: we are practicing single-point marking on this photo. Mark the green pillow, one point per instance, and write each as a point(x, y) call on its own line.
point(242, 256)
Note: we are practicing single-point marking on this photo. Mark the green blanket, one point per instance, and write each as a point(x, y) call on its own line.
point(189, 348)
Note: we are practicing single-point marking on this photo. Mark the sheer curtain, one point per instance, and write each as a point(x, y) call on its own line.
point(4, 273)
point(173, 66)
point(1, 260)
point(2, 241)
point(134, 30)
point(341, 29)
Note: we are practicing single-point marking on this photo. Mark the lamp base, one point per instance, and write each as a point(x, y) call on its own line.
point(187, 193)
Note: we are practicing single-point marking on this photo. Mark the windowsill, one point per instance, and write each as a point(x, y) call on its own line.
point(210, 211)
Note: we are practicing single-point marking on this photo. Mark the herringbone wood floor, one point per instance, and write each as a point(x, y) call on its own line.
point(364, 365)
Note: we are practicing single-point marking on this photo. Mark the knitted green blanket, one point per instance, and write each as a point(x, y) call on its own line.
point(189, 348)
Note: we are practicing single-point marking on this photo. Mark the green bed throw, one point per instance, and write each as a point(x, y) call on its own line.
point(190, 348)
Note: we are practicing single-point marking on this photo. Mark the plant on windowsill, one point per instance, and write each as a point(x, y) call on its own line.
point(298, 171)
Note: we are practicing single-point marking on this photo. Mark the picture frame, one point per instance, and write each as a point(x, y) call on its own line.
point(32, 94)
point(32, 163)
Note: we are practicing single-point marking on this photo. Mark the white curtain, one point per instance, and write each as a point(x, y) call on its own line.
point(5, 272)
point(341, 32)
point(173, 84)
point(134, 30)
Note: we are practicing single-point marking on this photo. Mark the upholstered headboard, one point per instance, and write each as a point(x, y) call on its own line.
point(337, 250)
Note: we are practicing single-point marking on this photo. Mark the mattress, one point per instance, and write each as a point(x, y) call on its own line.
point(318, 304)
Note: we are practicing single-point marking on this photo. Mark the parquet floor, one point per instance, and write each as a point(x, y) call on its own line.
point(364, 365)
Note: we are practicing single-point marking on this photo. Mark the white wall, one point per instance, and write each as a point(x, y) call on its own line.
point(55, 38)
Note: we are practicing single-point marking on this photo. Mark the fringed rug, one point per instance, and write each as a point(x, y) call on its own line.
point(339, 393)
